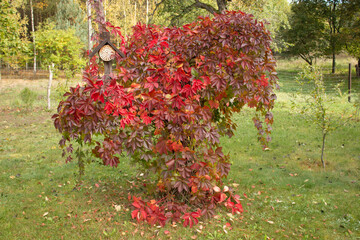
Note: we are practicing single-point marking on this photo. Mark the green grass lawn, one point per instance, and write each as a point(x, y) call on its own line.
point(288, 194)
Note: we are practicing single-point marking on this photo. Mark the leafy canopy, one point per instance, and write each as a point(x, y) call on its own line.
point(12, 42)
point(167, 104)
point(60, 47)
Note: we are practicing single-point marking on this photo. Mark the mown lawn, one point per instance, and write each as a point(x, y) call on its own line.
point(287, 193)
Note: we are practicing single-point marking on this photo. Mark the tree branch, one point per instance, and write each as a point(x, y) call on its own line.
point(100, 15)
point(155, 9)
point(207, 7)
point(196, 4)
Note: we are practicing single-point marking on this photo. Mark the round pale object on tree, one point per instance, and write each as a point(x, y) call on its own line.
point(107, 53)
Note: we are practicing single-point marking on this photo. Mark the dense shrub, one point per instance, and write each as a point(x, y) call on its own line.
point(28, 97)
point(168, 102)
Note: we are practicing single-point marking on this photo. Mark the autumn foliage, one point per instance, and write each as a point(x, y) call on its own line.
point(168, 103)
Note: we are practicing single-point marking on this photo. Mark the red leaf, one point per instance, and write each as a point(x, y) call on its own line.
point(134, 214)
point(170, 163)
point(143, 214)
point(222, 197)
point(214, 104)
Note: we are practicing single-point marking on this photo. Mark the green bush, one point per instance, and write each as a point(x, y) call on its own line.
point(28, 97)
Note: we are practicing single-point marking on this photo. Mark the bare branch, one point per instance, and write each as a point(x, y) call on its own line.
point(196, 4)
point(208, 7)
point(155, 9)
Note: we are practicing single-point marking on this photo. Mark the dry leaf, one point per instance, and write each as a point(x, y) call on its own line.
point(216, 189)
point(117, 208)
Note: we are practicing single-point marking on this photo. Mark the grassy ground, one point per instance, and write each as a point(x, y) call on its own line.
point(288, 193)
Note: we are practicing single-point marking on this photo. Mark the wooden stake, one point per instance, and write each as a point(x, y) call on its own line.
point(349, 83)
point(49, 84)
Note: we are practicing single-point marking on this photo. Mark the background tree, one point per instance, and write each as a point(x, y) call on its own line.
point(305, 37)
point(59, 49)
point(179, 12)
point(337, 14)
point(69, 15)
point(352, 39)
point(318, 27)
point(13, 40)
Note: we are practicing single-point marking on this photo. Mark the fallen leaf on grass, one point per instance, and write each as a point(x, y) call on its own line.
point(227, 225)
point(12, 177)
point(45, 214)
point(271, 222)
point(117, 208)
point(166, 232)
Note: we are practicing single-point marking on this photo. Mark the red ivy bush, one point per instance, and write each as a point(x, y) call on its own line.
point(168, 102)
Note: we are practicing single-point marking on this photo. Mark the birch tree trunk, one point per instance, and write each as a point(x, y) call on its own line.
point(135, 15)
point(51, 68)
point(33, 33)
point(105, 10)
point(88, 8)
point(147, 12)
point(125, 16)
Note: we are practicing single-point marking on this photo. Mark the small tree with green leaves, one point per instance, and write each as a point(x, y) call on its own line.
point(28, 97)
point(60, 50)
point(60, 47)
point(319, 107)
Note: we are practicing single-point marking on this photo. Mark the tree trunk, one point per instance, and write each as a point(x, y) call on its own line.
point(222, 5)
point(51, 68)
point(100, 15)
point(105, 10)
point(88, 8)
point(125, 17)
point(147, 12)
point(135, 15)
point(358, 68)
point(322, 150)
point(333, 62)
point(33, 33)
